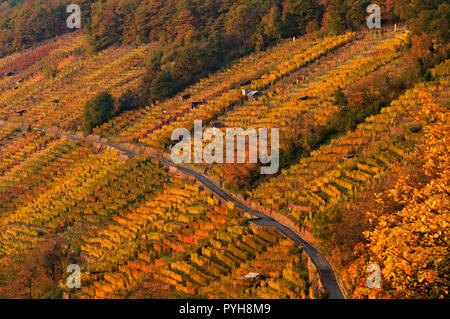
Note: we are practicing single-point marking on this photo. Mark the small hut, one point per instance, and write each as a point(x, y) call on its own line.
point(254, 95)
point(185, 97)
point(196, 104)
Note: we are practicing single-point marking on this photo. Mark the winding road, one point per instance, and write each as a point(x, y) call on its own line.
point(327, 276)
point(324, 268)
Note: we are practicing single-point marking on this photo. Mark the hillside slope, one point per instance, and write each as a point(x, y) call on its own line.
point(139, 229)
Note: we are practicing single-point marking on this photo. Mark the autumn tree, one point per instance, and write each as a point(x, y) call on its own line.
point(33, 276)
point(411, 243)
point(270, 29)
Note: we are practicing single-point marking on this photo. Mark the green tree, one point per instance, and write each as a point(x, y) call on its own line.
point(338, 12)
point(242, 21)
point(129, 100)
point(298, 14)
point(270, 29)
point(97, 110)
point(162, 87)
point(358, 12)
point(432, 19)
point(325, 225)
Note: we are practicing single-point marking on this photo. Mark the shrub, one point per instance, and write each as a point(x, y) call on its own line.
point(325, 225)
point(129, 100)
point(97, 111)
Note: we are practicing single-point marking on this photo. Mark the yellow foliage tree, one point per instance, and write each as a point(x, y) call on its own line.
point(411, 244)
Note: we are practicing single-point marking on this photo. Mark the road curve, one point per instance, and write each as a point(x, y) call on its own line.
point(323, 266)
point(326, 273)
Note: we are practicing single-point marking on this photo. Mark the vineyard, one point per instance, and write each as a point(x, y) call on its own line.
point(141, 229)
point(183, 240)
point(303, 106)
point(129, 219)
point(220, 92)
point(339, 169)
point(57, 99)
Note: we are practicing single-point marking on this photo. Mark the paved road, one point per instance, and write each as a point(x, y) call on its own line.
point(323, 266)
point(326, 273)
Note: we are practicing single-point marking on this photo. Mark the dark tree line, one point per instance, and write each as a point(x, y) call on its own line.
point(197, 37)
point(239, 25)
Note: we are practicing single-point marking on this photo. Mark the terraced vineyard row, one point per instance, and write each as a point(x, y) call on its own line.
point(21, 149)
point(18, 62)
point(5, 132)
point(282, 271)
point(313, 102)
point(34, 175)
point(242, 255)
point(338, 169)
point(49, 101)
point(241, 71)
point(155, 128)
point(301, 107)
point(65, 50)
point(167, 224)
point(88, 195)
point(180, 241)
